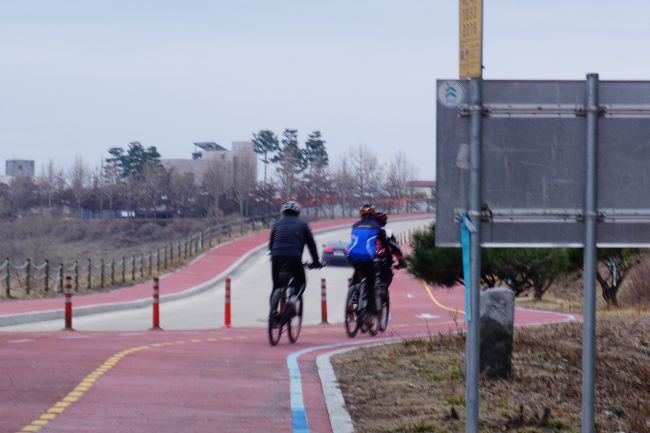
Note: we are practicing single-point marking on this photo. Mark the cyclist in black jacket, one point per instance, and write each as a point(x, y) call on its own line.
point(289, 236)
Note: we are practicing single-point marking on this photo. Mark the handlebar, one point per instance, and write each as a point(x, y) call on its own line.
point(311, 265)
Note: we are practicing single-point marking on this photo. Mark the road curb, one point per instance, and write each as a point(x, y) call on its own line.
point(41, 316)
point(340, 419)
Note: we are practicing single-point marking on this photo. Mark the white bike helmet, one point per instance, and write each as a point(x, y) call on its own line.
point(291, 206)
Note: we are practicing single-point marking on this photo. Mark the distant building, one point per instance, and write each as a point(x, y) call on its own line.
point(209, 154)
point(17, 167)
point(425, 187)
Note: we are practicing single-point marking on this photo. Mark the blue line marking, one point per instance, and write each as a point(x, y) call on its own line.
point(465, 240)
point(299, 422)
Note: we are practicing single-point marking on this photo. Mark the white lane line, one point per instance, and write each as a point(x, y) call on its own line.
point(73, 337)
point(22, 340)
point(128, 334)
point(409, 296)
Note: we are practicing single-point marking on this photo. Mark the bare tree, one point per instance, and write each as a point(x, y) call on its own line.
point(182, 193)
point(50, 183)
point(23, 193)
point(366, 173)
point(243, 180)
point(342, 181)
point(399, 174)
point(77, 181)
point(217, 180)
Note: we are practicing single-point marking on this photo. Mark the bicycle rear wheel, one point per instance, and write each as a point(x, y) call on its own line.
point(295, 323)
point(275, 317)
point(351, 309)
point(384, 313)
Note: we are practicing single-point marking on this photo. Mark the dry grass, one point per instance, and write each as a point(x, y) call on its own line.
point(66, 240)
point(418, 386)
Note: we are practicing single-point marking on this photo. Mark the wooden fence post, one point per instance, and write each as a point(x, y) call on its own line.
point(61, 276)
point(76, 275)
point(112, 272)
point(101, 273)
point(28, 275)
point(46, 278)
point(133, 268)
point(89, 286)
point(8, 278)
point(165, 263)
point(142, 266)
point(158, 260)
point(123, 270)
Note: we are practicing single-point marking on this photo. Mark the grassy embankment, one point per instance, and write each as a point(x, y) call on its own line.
point(418, 386)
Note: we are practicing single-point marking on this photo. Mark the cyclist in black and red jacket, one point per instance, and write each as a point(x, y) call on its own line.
point(387, 248)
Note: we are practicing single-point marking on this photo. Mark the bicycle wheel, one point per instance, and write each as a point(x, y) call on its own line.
point(350, 314)
point(295, 323)
point(384, 313)
point(275, 317)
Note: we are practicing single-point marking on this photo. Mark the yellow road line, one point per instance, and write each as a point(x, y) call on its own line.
point(435, 301)
point(87, 382)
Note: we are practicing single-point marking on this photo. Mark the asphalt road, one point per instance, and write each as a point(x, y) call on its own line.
point(251, 286)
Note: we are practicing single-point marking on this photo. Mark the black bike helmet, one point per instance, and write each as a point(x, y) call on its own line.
point(381, 217)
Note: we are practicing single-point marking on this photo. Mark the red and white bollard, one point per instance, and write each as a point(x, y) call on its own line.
point(323, 301)
point(68, 303)
point(226, 317)
point(156, 305)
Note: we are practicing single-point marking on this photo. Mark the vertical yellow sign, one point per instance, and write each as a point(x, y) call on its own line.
point(471, 38)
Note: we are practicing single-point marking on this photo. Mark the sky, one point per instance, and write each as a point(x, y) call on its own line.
point(78, 77)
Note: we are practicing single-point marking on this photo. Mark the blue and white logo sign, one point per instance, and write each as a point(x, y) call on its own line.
point(451, 93)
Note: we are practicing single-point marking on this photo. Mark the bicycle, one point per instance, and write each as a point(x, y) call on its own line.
point(286, 308)
point(383, 294)
point(357, 316)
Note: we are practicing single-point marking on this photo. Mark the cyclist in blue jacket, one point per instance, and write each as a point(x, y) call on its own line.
point(361, 251)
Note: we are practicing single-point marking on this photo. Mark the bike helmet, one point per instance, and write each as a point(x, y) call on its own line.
point(381, 217)
point(367, 210)
point(290, 207)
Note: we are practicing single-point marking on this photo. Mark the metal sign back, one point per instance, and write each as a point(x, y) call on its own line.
point(470, 38)
point(533, 159)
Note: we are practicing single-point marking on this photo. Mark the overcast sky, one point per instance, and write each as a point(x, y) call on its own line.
point(77, 77)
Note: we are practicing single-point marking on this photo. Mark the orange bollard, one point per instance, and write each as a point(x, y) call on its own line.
point(156, 305)
point(323, 301)
point(68, 303)
point(227, 312)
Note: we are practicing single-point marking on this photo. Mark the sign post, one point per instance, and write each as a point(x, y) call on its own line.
point(470, 66)
point(590, 258)
point(565, 170)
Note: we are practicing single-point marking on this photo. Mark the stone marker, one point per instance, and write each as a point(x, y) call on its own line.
point(497, 321)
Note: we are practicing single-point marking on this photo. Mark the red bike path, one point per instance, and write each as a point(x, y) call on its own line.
point(224, 380)
point(200, 271)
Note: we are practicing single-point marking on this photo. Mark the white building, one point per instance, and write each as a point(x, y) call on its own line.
point(211, 154)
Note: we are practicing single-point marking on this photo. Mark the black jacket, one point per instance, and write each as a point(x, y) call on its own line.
point(289, 236)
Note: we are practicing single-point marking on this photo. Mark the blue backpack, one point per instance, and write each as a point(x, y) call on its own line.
point(362, 245)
